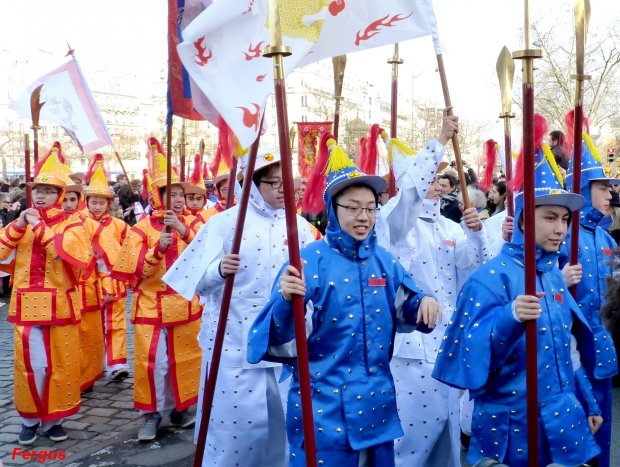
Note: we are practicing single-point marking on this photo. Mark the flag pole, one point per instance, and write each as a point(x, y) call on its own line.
point(168, 165)
point(182, 151)
point(120, 161)
point(505, 72)
point(27, 169)
point(211, 378)
point(338, 64)
point(394, 61)
point(277, 51)
point(582, 18)
point(455, 137)
point(35, 110)
point(529, 153)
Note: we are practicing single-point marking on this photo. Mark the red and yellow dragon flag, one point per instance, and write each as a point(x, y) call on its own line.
point(221, 48)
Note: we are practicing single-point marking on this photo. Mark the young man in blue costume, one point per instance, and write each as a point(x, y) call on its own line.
point(484, 346)
point(357, 295)
point(595, 253)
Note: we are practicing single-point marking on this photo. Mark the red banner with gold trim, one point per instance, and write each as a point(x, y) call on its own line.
point(309, 135)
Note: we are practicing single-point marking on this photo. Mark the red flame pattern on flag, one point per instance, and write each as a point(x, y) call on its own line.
point(373, 28)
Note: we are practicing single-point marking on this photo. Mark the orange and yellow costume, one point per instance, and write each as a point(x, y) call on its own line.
point(158, 311)
point(49, 260)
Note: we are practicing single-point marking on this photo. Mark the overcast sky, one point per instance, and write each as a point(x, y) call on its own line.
point(130, 36)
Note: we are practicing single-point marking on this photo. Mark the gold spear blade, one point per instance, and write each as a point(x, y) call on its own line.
point(505, 73)
point(582, 19)
point(36, 105)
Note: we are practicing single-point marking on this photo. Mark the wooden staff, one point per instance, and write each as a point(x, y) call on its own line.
point(394, 61)
point(211, 378)
point(455, 137)
point(277, 51)
point(582, 18)
point(505, 72)
point(35, 111)
point(27, 170)
point(529, 154)
point(120, 161)
point(338, 63)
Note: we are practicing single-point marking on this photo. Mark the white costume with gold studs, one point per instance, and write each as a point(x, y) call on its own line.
point(247, 417)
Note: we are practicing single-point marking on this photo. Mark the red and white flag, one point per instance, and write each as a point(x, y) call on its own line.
point(221, 48)
point(68, 103)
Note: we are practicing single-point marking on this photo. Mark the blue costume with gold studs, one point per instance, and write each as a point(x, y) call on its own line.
point(357, 296)
point(484, 351)
point(596, 249)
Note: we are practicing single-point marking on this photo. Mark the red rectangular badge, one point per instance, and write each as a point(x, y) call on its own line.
point(376, 282)
point(558, 297)
point(607, 252)
point(449, 242)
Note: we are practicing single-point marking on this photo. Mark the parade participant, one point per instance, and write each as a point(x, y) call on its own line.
point(78, 181)
point(247, 418)
point(596, 248)
point(356, 295)
point(91, 322)
point(51, 254)
point(439, 254)
point(196, 202)
point(166, 352)
point(484, 346)
point(113, 293)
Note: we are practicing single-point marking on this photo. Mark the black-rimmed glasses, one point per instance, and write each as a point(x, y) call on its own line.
point(355, 211)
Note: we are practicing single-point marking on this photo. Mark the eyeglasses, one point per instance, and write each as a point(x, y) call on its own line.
point(275, 184)
point(44, 191)
point(355, 211)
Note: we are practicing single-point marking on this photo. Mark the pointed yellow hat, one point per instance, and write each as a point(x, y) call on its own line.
point(98, 185)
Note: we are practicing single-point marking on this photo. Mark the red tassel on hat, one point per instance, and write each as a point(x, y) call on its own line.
point(226, 146)
point(490, 155)
point(569, 134)
point(195, 176)
point(540, 130)
point(313, 202)
point(93, 166)
point(368, 153)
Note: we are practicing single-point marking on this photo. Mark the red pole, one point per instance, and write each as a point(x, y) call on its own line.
point(211, 380)
point(576, 187)
point(582, 19)
point(529, 208)
point(277, 51)
point(394, 61)
point(508, 160)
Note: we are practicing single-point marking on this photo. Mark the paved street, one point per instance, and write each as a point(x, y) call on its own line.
point(104, 432)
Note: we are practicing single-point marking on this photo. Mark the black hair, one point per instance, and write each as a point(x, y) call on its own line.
point(259, 173)
point(337, 196)
point(451, 178)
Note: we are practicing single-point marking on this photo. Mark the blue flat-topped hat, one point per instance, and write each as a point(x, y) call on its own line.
point(333, 172)
point(549, 184)
point(548, 190)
